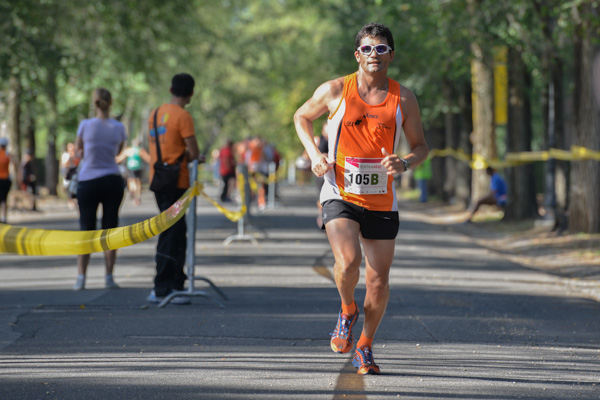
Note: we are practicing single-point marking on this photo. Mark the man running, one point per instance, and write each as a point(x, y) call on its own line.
point(367, 114)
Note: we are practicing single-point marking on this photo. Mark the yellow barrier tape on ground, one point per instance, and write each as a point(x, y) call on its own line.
point(41, 242)
point(477, 161)
point(233, 216)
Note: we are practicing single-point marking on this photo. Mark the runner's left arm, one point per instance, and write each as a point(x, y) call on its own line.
point(413, 130)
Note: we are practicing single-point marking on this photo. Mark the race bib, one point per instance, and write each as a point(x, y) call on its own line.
point(365, 176)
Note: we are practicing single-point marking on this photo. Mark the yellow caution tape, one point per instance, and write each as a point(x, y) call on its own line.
point(273, 177)
point(41, 242)
point(581, 153)
point(233, 216)
point(253, 184)
point(477, 161)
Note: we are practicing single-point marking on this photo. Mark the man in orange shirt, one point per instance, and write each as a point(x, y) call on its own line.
point(367, 114)
point(174, 131)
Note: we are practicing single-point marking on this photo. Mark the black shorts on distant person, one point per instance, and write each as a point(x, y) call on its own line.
point(134, 173)
point(379, 225)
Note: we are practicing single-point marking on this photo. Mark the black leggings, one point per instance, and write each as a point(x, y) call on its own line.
point(106, 190)
point(4, 189)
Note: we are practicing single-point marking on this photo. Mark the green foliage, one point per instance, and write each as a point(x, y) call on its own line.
point(255, 61)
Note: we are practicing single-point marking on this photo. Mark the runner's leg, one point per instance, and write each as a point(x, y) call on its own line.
point(343, 237)
point(379, 255)
point(488, 199)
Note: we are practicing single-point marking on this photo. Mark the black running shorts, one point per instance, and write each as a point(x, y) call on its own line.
point(378, 225)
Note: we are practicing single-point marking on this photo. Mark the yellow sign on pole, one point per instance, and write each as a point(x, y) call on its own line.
point(474, 95)
point(500, 85)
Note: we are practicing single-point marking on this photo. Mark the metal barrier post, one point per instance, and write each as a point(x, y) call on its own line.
point(272, 179)
point(291, 176)
point(247, 199)
point(190, 258)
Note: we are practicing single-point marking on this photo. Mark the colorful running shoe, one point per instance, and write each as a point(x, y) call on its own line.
point(363, 360)
point(341, 338)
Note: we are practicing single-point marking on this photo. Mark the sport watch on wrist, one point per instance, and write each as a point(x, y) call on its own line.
point(406, 164)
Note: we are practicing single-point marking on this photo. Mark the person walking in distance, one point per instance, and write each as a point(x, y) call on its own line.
point(68, 167)
point(99, 141)
point(174, 132)
point(134, 157)
point(5, 182)
point(28, 178)
point(227, 169)
point(367, 112)
point(423, 174)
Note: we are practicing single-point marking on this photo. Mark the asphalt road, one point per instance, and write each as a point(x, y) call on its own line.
point(462, 323)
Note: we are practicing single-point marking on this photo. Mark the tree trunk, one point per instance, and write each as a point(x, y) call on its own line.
point(448, 170)
point(553, 106)
point(14, 121)
point(436, 139)
point(51, 163)
point(30, 127)
point(520, 180)
point(483, 136)
point(465, 127)
point(584, 207)
point(548, 102)
point(562, 167)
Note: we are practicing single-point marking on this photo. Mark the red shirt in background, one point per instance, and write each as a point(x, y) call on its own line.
point(226, 161)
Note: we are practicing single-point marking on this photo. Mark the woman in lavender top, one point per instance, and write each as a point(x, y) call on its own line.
point(99, 141)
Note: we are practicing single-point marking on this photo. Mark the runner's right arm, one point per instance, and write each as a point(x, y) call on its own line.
point(326, 98)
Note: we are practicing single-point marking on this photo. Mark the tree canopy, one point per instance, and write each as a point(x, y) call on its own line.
point(256, 61)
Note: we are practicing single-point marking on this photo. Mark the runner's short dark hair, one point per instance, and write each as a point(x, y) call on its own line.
point(375, 30)
point(182, 85)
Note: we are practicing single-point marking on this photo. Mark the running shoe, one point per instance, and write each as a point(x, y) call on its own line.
point(341, 338)
point(363, 360)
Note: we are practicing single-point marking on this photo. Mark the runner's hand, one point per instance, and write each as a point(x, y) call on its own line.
point(322, 166)
point(392, 163)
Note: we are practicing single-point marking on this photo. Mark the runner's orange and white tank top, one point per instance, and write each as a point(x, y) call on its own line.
point(357, 131)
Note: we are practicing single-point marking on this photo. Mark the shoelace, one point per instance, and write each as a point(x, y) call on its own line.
point(343, 329)
point(367, 355)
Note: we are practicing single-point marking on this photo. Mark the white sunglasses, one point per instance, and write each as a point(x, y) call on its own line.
point(379, 49)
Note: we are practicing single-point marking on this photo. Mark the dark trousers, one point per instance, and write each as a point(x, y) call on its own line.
point(170, 251)
point(106, 190)
point(225, 192)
